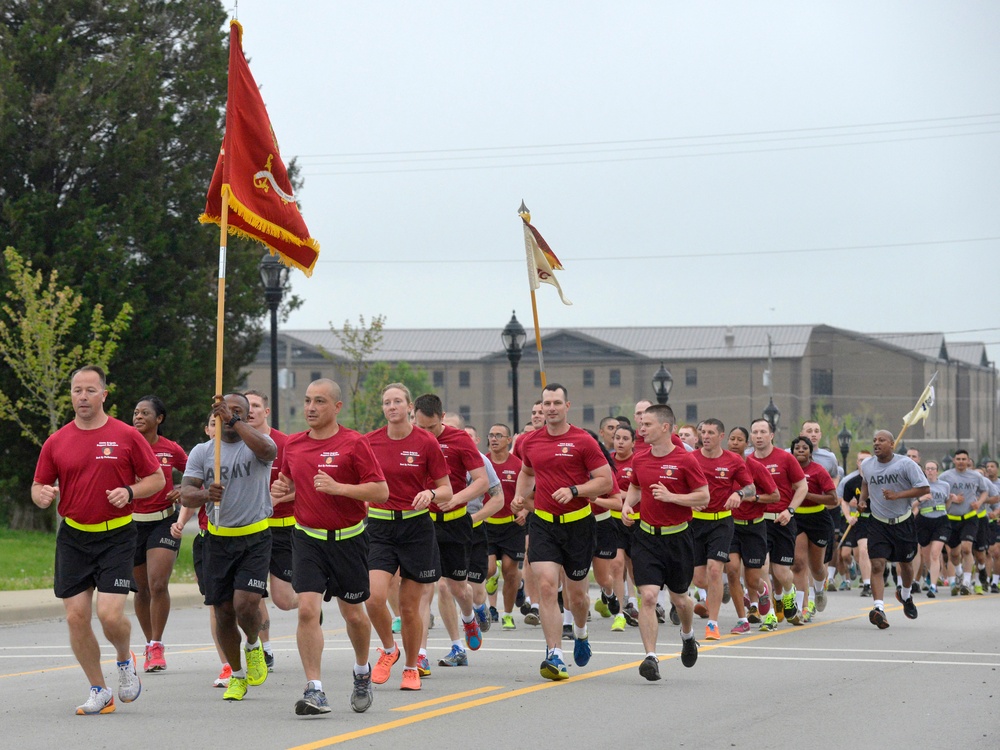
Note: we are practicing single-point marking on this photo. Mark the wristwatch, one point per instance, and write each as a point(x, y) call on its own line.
point(233, 420)
point(574, 491)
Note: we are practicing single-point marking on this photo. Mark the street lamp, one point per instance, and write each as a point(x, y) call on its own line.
point(844, 438)
point(663, 381)
point(274, 276)
point(513, 337)
point(772, 415)
point(947, 463)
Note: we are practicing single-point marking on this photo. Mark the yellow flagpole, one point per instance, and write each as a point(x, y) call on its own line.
point(538, 338)
point(220, 317)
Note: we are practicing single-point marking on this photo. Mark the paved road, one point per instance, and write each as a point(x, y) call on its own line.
point(837, 682)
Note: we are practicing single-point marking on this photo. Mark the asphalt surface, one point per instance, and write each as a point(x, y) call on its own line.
point(837, 682)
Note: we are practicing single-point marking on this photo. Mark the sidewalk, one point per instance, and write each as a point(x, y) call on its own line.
point(41, 604)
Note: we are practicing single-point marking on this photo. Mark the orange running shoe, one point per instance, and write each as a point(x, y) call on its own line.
point(382, 668)
point(411, 680)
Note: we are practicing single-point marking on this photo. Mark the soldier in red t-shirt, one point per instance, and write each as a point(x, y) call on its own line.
point(505, 531)
point(96, 466)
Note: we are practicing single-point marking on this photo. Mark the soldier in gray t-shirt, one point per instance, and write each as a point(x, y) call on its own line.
point(969, 490)
point(889, 483)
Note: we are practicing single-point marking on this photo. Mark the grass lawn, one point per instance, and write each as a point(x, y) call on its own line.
point(28, 558)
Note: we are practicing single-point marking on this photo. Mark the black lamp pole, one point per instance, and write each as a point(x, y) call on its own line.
point(662, 383)
point(772, 415)
point(844, 438)
point(273, 275)
point(513, 337)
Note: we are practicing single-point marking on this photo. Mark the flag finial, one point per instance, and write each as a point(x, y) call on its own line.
point(523, 211)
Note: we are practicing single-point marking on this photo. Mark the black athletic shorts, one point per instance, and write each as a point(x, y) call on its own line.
point(666, 560)
point(454, 542)
point(894, 543)
point(965, 530)
point(607, 539)
point(750, 542)
point(859, 531)
point(781, 542)
point(818, 527)
point(154, 535)
point(712, 539)
point(236, 563)
point(994, 535)
point(933, 529)
point(982, 542)
point(572, 544)
point(406, 545)
point(479, 559)
point(198, 557)
point(282, 552)
point(506, 540)
point(94, 559)
point(330, 567)
point(628, 534)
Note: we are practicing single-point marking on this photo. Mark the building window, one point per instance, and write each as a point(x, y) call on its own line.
point(691, 413)
point(538, 379)
point(438, 378)
point(588, 378)
point(588, 413)
point(691, 376)
point(464, 379)
point(315, 375)
point(614, 378)
point(822, 382)
point(466, 413)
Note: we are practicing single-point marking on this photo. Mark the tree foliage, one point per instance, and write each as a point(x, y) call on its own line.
point(360, 344)
point(368, 401)
point(111, 118)
point(34, 342)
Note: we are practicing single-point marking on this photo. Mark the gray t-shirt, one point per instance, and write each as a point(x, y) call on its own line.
point(898, 474)
point(843, 483)
point(938, 499)
point(968, 485)
point(828, 461)
point(246, 479)
point(476, 503)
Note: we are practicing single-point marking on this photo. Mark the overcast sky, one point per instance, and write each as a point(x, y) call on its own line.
point(700, 163)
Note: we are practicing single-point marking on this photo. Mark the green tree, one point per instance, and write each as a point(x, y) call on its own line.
point(367, 404)
point(359, 344)
point(111, 118)
point(33, 343)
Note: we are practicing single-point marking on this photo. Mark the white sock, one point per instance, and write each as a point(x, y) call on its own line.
point(360, 669)
point(879, 604)
point(468, 618)
point(252, 646)
point(315, 685)
point(904, 593)
point(580, 632)
point(799, 599)
point(267, 646)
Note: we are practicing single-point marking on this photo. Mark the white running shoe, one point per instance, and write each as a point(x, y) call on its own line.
point(129, 686)
point(100, 701)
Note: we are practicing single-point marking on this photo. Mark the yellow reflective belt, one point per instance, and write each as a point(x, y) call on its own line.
point(711, 516)
point(338, 534)
point(576, 515)
point(394, 515)
point(281, 522)
point(114, 523)
point(237, 530)
point(451, 515)
point(662, 530)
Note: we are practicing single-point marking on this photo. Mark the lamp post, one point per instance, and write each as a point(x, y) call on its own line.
point(844, 438)
point(513, 337)
point(274, 276)
point(663, 381)
point(772, 415)
point(947, 463)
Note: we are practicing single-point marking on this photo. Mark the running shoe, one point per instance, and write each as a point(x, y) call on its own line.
point(222, 681)
point(568, 633)
point(741, 628)
point(779, 609)
point(455, 658)
point(473, 635)
point(994, 588)
point(788, 607)
point(701, 610)
point(797, 618)
point(236, 690)
point(932, 592)
point(363, 694)
point(631, 613)
point(726, 594)
point(269, 660)
point(661, 613)
point(411, 680)
point(618, 624)
point(831, 585)
point(423, 665)
point(845, 585)
point(877, 618)
point(712, 632)
point(431, 625)
point(954, 589)
point(614, 606)
point(553, 668)
point(770, 622)
point(689, 651)
point(964, 590)
point(382, 668)
point(508, 623)
point(866, 589)
point(675, 618)
point(978, 589)
point(983, 578)
point(581, 651)
point(765, 601)
point(915, 588)
point(601, 607)
point(256, 666)
point(820, 600)
point(100, 701)
point(129, 686)
point(753, 614)
point(909, 606)
point(492, 583)
point(494, 615)
point(155, 661)
point(650, 668)
point(519, 597)
point(312, 703)
point(810, 612)
point(397, 624)
point(532, 617)
point(483, 615)
point(852, 570)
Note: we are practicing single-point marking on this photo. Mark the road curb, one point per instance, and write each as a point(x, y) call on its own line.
point(18, 607)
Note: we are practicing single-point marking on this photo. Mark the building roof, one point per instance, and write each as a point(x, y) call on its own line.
point(970, 352)
point(931, 345)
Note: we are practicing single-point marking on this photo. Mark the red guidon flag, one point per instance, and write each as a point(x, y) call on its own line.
point(261, 203)
point(542, 262)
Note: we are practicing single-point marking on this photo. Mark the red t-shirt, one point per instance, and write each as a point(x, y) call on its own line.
point(507, 471)
point(560, 461)
point(347, 458)
point(462, 456)
point(679, 472)
point(785, 471)
point(818, 480)
point(282, 510)
point(750, 510)
point(171, 456)
point(89, 463)
point(623, 475)
point(725, 474)
point(410, 465)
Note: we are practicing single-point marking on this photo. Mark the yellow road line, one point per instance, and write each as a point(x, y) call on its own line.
point(448, 698)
